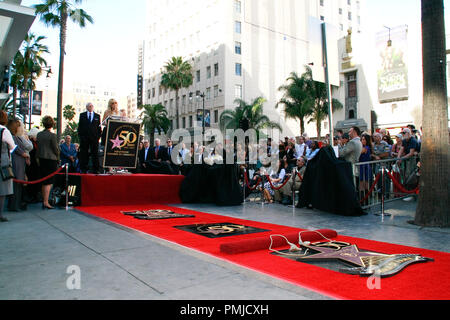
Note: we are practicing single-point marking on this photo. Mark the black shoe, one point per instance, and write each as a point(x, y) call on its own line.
point(3, 219)
point(47, 208)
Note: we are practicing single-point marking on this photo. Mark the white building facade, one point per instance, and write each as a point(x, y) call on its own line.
point(238, 49)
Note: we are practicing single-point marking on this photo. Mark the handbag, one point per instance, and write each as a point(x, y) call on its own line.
point(6, 172)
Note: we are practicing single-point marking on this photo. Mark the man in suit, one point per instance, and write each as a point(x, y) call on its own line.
point(158, 153)
point(89, 132)
point(144, 157)
point(351, 152)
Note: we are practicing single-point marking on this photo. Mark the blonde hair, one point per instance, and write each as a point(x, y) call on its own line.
point(111, 103)
point(109, 112)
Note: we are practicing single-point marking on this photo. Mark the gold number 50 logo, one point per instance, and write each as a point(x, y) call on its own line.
point(128, 137)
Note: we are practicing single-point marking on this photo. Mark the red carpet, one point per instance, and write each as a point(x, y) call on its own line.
point(100, 190)
point(425, 281)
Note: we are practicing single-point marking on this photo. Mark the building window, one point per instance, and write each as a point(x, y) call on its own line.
point(238, 91)
point(197, 75)
point(208, 93)
point(237, 47)
point(153, 92)
point(208, 72)
point(321, 3)
point(349, 16)
point(191, 122)
point(340, 11)
point(216, 69)
point(238, 69)
point(237, 6)
point(216, 91)
point(216, 116)
point(238, 27)
point(184, 122)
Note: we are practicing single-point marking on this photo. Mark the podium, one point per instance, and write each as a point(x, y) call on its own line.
point(121, 143)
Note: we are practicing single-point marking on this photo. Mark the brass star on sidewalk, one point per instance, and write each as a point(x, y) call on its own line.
point(350, 254)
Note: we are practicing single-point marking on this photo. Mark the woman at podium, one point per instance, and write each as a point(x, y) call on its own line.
point(112, 111)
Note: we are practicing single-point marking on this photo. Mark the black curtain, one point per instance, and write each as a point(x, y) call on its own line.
point(217, 184)
point(328, 185)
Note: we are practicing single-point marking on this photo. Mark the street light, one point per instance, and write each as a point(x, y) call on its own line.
point(202, 95)
point(389, 44)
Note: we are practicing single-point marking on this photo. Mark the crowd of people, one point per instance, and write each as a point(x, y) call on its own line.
point(37, 155)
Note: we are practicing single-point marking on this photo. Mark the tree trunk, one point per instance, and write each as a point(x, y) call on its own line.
point(177, 111)
point(319, 128)
point(14, 102)
point(433, 207)
point(302, 126)
point(62, 53)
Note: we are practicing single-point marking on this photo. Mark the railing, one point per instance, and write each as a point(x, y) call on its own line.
point(379, 182)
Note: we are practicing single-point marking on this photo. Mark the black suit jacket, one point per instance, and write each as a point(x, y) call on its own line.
point(142, 158)
point(162, 154)
point(89, 130)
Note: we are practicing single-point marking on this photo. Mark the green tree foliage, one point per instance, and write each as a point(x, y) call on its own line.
point(253, 112)
point(177, 74)
point(154, 118)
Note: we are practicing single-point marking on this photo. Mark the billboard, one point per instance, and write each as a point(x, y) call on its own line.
point(207, 118)
point(37, 103)
point(392, 66)
point(24, 102)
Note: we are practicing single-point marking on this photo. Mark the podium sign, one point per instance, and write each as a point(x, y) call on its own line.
point(122, 144)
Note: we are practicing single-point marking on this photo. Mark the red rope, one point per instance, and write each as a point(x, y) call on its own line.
point(400, 186)
point(248, 183)
point(277, 188)
point(38, 181)
point(372, 189)
point(300, 176)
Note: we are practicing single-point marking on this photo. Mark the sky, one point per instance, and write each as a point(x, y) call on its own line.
point(105, 53)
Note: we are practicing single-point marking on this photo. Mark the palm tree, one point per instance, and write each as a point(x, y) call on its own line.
point(433, 206)
point(177, 74)
point(56, 13)
point(297, 101)
point(16, 81)
point(155, 119)
point(27, 66)
point(320, 110)
point(253, 112)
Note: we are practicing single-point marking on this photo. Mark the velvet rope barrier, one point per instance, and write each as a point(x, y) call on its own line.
point(372, 189)
point(401, 187)
point(248, 183)
point(277, 188)
point(40, 180)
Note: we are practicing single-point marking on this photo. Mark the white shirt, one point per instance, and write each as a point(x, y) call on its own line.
point(8, 139)
point(300, 150)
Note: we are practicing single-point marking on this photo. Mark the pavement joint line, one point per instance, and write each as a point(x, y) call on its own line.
point(104, 257)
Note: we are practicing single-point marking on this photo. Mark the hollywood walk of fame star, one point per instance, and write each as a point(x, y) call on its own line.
point(349, 254)
point(116, 143)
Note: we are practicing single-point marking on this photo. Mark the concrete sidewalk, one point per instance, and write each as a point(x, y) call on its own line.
point(41, 249)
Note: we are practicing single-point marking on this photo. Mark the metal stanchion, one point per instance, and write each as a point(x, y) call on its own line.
point(262, 190)
point(244, 184)
point(383, 191)
point(294, 176)
point(67, 187)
